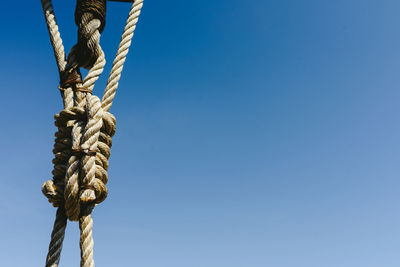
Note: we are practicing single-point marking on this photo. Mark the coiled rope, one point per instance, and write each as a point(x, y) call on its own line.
point(85, 126)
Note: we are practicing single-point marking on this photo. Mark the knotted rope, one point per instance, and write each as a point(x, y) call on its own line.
point(85, 127)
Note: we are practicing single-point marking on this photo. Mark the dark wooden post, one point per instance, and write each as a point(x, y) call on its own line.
point(131, 1)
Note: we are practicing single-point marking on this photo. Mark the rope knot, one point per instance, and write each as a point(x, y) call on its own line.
point(82, 149)
point(101, 128)
point(53, 194)
point(70, 78)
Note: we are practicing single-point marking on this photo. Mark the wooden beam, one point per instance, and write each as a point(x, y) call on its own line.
point(128, 1)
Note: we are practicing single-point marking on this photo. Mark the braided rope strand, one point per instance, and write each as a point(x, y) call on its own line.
point(72, 205)
point(58, 233)
point(57, 238)
point(122, 52)
point(86, 239)
point(54, 33)
point(89, 143)
point(95, 72)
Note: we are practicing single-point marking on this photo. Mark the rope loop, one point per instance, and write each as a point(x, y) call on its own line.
point(90, 17)
point(97, 8)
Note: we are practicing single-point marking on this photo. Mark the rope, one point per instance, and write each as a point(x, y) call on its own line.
point(54, 33)
point(85, 127)
point(57, 238)
point(122, 52)
point(90, 19)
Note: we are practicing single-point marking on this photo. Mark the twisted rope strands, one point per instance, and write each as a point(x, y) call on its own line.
point(86, 238)
point(60, 223)
point(54, 33)
point(57, 238)
point(95, 71)
point(68, 98)
point(122, 52)
point(57, 43)
point(71, 193)
point(89, 28)
point(89, 12)
point(89, 143)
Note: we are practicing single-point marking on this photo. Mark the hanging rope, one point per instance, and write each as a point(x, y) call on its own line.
point(85, 127)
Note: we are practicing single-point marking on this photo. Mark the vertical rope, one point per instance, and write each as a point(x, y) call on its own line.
point(86, 239)
point(89, 140)
point(57, 238)
point(60, 223)
point(71, 193)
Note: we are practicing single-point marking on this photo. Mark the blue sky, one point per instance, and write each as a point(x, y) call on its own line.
point(249, 134)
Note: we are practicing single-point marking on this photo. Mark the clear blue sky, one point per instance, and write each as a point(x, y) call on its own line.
point(250, 134)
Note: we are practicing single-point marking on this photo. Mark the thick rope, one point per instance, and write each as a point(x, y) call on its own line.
point(123, 49)
point(60, 148)
point(86, 239)
point(85, 127)
point(54, 34)
point(87, 12)
point(57, 238)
